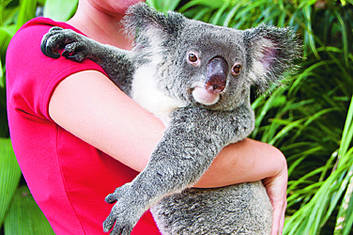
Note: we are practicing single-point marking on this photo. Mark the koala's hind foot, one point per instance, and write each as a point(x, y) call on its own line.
point(74, 45)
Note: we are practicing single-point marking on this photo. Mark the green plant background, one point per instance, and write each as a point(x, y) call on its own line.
point(309, 117)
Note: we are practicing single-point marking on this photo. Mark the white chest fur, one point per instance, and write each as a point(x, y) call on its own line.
point(145, 91)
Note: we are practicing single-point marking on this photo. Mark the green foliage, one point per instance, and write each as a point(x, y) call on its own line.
point(60, 10)
point(26, 12)
point(318, 210)
point(163, 6)
point(25, 217)
point(9, 176)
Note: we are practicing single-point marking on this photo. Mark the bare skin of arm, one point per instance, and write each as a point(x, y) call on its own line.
point(109, 120)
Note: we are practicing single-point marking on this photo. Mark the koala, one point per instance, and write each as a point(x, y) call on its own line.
point(196, 77)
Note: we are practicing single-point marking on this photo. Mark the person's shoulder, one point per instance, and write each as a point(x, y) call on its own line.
point(43, 22)
point(33, 30)
point(40, 22)
point(31, 76)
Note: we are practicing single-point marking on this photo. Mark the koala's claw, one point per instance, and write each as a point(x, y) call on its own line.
point(111, 198)
point(47, 47)
point(123, 220)
point(119, 227)
point(124, 214)
point(66, 39)
point(75, 51)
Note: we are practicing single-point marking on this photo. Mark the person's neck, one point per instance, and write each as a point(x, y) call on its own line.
point(100, 26)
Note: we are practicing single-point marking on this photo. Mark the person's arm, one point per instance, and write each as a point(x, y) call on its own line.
point(90, 106)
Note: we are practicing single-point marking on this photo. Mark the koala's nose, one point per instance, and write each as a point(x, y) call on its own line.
point(217, 71)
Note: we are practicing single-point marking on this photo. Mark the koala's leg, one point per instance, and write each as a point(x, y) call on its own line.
point(188, 147)
point(115, 62)
point(238, 209)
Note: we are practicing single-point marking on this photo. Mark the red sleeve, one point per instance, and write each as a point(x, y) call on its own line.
point(32, 76)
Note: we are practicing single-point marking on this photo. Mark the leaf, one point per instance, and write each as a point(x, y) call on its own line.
point(163, 5)
point(345, 215)
point(60, 10)
point(169, 5)
point(304, 75)
point(151, 3)
point(309, 31)
point(2, 77)
point(9, 175)
point(5, 38)
point(207, 3)
point(202, 13)
point(41, 2)
point(307, 3)
point(347, 134)
point(27, 12)
point(25, 217)
point(231, 14)
point(284, 131)
point(217, 16)
point(344, 37)
point(4, 41)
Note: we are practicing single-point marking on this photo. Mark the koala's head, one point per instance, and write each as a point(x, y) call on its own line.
point(208, 65)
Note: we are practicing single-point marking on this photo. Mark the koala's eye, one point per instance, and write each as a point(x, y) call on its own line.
point(193, 58)
point(236, 69)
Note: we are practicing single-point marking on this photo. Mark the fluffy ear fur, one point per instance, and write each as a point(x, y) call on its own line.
point(271, 52)
point(141, 19)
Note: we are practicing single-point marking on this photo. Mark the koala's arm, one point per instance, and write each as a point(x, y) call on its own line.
point(116, 62)
point(191, 142)
point(189, 145)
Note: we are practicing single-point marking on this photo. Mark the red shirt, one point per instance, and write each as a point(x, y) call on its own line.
point(67, 177)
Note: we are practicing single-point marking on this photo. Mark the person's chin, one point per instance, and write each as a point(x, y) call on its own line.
point(122, 5)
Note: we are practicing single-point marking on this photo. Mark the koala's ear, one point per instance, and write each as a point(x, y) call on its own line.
point(271, 52)
point(140, 18)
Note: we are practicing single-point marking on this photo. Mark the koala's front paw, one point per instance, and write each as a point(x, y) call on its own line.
point(57, 38)
point(126, 211)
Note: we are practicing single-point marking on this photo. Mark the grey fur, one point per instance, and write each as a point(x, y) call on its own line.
point(210, 206)
point(196, 132)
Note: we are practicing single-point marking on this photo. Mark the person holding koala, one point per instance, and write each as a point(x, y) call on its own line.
point(73, 135)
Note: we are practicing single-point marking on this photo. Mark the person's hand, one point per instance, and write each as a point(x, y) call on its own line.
point(276, 187)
